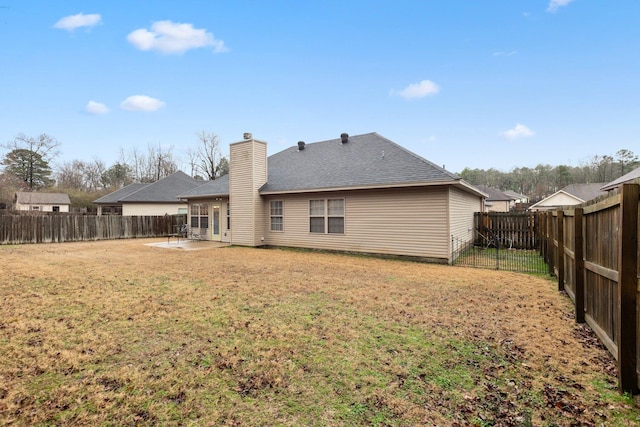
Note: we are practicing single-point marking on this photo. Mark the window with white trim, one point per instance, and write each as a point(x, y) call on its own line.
point(326, 216)
point(199, 215)
point(276, 214)
point(228, 216)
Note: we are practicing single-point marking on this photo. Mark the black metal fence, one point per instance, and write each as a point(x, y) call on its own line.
point(497, 256)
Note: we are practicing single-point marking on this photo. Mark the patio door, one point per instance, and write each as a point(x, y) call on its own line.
point(215, 222)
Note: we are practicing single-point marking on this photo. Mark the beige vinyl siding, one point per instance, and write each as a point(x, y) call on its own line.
point(151, 209)
point(410, 222)
point(462, 206)
point(248, 172)
point(499, 206)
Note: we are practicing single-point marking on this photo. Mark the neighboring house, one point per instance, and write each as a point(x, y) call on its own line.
point(517, 197)
point(496, 201)
point(573, 194)
point(41, 202)
point(633, 176)
point(520, 201)
point(359, 193)
point(158, 198)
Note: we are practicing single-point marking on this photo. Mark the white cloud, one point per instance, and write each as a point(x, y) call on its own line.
point(141, 103)
point(171, 37)
point(520, 131)
point(418, 90)
point(554, 5)
point(72, 22)
point(96, 108)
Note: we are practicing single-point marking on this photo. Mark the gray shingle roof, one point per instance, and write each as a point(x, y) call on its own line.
point(585, 192)
point(494, 194)
point(165, 190)
point(634, 174)
point(368, 160)
point(116, 196)
point(217, 187)
point(25, 197)
point(365, 160)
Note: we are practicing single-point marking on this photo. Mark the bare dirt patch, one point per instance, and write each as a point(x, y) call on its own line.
point(127, 334)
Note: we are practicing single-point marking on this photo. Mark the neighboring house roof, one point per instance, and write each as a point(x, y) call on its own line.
point(633, 175)
point(116, 196)
point(165, 190)
point(365, 161)
point(495, 195)
point(32, 198)
point(514, 195)
point(584, 192)
point(579, 193)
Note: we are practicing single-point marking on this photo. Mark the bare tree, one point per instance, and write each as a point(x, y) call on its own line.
point(151, 166)
point(208, 155)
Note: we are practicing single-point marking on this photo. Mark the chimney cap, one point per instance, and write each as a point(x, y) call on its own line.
point(301, 145)
point(344, 137)
point(247, 135)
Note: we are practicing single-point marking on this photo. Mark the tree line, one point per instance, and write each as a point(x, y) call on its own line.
point(27, 166)
point(544, 179)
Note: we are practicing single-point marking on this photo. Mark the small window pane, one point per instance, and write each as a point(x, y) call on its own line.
point(195, 221)
point(316, 224)
point(204, 222)
point(276, 223)
point(336, 225)
point(316, 207)
point(195, 209)
point(336, 207)
point(276, 207)
point(204, 209)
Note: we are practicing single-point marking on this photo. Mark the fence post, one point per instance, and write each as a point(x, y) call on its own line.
point(627, 289)
point(550, 244)
point(560, 251)
point(578, 273)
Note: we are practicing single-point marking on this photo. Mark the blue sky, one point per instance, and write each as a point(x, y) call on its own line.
point(479, 84)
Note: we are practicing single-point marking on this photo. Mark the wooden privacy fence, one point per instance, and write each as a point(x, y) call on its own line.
point(57, 228)
point(593, 251)
point(512, 229)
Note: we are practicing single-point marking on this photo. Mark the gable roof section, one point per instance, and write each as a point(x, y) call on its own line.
point(514, 195)
point(494, 195)
point(217, 187)
point(633, 175)
point(365, 161)
point(368, 160)
point(165, 190)
point(116, 196)
point(584, 192)
point(580, 192)
point(33, 198)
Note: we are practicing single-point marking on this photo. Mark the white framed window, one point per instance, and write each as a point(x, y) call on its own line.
point(276, 215)
point(228, 216)
point(199, 215)
point(326, 216)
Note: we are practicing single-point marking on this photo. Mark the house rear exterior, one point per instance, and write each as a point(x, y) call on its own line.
point(362, 193)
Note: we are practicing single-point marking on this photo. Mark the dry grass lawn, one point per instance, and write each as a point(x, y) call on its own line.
point(120, 333)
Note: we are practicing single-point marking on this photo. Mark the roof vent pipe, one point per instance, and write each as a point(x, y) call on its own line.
point(247, 135)
point(300, 145)
point(344, 137)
